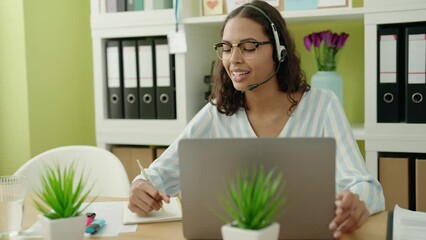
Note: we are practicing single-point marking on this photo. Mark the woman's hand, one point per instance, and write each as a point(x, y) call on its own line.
point(144, 198)
point(351, 213)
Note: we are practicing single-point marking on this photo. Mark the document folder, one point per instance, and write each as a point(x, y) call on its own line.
point(130, 77)
point(121, 5)
point(114, 79)
point(394, 177)
point(165, 80)
point(130, 5)
point(416, 74)
point(421, 185)
point(146, 79)
point(390, 83)
point(111, 6)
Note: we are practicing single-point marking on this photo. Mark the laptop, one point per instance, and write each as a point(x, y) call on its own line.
point(307, 165)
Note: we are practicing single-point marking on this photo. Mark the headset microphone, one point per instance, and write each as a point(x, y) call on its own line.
point(255, 85)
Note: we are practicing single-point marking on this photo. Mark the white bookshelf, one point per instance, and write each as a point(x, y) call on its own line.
point(387, 137)
point(201, 33)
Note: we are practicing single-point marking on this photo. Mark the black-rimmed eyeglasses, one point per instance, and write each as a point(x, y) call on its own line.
point(247, 49)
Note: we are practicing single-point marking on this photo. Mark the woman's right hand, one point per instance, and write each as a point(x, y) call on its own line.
point(144, 198)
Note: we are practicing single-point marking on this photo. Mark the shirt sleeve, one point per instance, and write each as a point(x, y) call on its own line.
point(351, 171)
point(164, 171)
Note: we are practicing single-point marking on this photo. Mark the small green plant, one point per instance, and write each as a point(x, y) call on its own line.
point(255, 200)
point(59, 197)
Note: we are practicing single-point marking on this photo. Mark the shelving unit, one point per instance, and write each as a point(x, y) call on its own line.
point(387, 137)
point(201, 33)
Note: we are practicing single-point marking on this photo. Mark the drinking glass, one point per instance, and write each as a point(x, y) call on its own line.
point(12, 196)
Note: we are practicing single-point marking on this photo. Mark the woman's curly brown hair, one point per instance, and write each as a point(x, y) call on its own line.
point(291, 77)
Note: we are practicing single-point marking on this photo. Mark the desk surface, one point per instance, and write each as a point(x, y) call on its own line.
point(374, 228)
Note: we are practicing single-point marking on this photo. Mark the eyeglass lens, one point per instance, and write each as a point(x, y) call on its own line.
point(246, 49)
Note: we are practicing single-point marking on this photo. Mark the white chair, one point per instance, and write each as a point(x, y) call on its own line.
point(99, 166)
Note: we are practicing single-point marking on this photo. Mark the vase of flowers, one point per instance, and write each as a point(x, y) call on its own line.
point(326, 45)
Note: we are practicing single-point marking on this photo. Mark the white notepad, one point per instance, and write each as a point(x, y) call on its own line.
point(172, 212)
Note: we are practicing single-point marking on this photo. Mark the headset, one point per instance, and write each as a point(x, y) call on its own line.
point(280, 49)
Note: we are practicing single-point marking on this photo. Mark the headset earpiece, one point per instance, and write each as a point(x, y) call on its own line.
point(280, 49)
point(283, 53)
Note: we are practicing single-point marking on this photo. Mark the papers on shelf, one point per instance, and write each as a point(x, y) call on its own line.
point(172, 212)
point(408, 224)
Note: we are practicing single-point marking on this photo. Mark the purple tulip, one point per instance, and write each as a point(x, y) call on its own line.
point(325, 54)
point(334, 38)
point(316, 39)
point(308, 42)
point(342, 40)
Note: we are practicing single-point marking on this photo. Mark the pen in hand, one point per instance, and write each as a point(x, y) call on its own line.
point(145, 176)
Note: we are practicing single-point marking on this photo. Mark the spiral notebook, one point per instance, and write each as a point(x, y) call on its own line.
point(171, 212)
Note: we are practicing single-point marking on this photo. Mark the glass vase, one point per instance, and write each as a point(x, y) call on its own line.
point(330, 80)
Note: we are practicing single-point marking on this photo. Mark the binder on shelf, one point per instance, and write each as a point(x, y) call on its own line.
point(394, 177)
point(121, 5)
point(164, 80)
point(163, 4)
point(130, 5)
point(147, 103)
point(130, 79)
point(111, 6)
point(114, 79)
point(390, 83)
point(149, 4)
point(416, 74)
point(139, 5)
point(421, 185)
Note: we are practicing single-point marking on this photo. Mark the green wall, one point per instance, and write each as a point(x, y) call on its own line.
point(14, 116)
point(51, 72)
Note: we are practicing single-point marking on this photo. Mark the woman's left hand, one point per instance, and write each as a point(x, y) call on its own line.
point(351, 213)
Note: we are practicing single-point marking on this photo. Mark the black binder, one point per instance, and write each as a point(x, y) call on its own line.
point(147, 98)
point(416, 74)
point(130, 79)
point(390, 85)
point(164, 80)
point(114, 78)
point(130, 5)
point(121, 5)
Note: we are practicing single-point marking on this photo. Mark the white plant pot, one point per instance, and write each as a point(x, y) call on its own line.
point(65, 228)
point(269, 233)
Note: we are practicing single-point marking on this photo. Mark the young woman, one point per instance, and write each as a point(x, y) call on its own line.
point(260, 90)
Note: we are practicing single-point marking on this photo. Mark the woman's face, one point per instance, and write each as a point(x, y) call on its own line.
point(244, 72)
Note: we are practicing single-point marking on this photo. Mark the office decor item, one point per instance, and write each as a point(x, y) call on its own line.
point(255, 200)
point(334, 3)
point(233, 4)
point(326, 45)
point(212, 7)
point(59, 201)
point(296, 5)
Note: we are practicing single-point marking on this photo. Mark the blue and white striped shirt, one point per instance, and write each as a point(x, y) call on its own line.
point(319, 114)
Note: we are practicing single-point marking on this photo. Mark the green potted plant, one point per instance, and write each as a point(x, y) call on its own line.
point(60, 203)
point(255, 200)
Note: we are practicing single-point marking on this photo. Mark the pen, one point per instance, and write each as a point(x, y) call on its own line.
point(95, 226)
point(145, 175)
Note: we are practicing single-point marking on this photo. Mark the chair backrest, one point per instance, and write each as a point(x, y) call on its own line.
point(101, 168)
